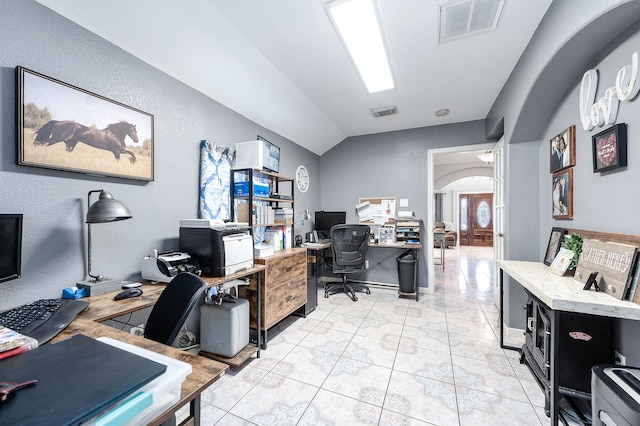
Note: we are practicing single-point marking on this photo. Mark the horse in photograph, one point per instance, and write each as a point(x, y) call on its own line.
point(111, 138)
point(59, 131)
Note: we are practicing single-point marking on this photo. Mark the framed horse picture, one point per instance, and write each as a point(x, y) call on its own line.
point(66, 128)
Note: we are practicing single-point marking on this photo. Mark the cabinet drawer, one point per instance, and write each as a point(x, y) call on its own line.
point(277, 303)
point(285, 299)
point(281, 268)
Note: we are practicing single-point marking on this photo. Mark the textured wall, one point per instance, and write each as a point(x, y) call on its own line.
point(392, 164)
point(604, 202)
point(54, 202)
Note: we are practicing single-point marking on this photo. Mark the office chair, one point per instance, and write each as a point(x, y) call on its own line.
point(349, 248)
point(179, 298)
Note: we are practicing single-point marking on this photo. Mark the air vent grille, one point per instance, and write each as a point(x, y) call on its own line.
point(384, 111)
point(463, 18)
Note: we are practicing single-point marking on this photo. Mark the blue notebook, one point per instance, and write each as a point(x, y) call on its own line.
point(78, 379)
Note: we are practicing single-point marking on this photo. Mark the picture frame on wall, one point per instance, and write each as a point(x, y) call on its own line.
point(562, 150)
point(63, 127)
point(609, 148)
point(553, 246)
point(562, 194)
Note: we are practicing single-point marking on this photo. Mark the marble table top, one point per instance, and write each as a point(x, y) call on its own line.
point(566, 293)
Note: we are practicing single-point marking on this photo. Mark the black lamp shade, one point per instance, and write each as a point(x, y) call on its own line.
point(107, 209)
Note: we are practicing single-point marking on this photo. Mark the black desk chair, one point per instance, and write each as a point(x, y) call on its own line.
point(184, 293)
point(349, 248)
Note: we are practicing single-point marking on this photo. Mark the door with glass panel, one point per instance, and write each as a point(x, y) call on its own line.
point(476, 219)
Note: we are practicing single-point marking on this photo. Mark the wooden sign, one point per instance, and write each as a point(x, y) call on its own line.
point(613, 262)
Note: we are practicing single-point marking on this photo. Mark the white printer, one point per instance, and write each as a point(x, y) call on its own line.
point(220, 248)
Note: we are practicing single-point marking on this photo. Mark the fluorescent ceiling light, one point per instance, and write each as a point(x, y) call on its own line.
point(356, 21)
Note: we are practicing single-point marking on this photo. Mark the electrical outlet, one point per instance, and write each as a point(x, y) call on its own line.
point(620, 359)
point(366, 264)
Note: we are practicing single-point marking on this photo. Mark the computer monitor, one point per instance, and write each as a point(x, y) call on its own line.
point(10, 246)
point(326, 220)
point(270, 155)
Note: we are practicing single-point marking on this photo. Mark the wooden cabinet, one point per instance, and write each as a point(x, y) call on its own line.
point(283, 287)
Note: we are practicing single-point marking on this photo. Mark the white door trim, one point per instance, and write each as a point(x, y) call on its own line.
point(428, 221)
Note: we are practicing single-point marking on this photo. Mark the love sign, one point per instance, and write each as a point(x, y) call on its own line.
point(598, 112)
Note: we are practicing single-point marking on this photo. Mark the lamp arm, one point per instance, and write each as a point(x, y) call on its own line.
point(95, 277)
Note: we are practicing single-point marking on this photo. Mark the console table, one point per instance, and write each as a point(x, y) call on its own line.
point(560, 295)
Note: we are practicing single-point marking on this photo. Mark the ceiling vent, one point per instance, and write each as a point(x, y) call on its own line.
point(467, 17)
point(384, 111)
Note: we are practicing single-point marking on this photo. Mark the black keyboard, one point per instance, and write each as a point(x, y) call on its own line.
point(44, 318)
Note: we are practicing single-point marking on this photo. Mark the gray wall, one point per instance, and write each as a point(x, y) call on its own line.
point(392, 164)
point(54, 202)
point(538, 102)
point(605, 202)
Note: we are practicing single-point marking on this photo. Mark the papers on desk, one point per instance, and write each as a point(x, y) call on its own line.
point(364, 211)
point(315, 245)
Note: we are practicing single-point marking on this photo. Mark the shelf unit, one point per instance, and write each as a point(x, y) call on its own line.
point(255, 209)
point(409, 231)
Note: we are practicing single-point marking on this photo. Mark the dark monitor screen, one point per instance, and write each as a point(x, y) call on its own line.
point(10, 246)
point(270, 155)
point(325, 220)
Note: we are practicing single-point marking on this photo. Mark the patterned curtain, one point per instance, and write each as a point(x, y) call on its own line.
point(216, 162)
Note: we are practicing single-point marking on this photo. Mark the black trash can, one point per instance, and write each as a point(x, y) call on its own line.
point(407, 271)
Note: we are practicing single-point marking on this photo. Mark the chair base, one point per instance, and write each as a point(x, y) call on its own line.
point(346, 286)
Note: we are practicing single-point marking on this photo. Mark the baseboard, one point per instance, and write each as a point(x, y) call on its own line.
point(512, 336)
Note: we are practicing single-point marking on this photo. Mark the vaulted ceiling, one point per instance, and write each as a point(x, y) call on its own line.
point(281, 64)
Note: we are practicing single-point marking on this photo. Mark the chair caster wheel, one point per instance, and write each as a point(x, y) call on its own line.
point(368, 291)
point(326, 296)
point(354, 298)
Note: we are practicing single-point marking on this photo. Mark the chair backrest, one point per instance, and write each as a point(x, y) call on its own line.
point(349, 247)
point(173, 307)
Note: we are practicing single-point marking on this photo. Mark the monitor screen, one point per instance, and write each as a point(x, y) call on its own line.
point(325, 220)
point(10, 246)
point(270, 155)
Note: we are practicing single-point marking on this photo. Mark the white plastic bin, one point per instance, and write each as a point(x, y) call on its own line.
point(165, 389)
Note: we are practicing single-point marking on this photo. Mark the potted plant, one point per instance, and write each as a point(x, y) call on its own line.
point(573, 242)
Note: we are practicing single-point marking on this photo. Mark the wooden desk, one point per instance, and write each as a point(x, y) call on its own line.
point(204, 371)
point(560, 295)
point(320, 247)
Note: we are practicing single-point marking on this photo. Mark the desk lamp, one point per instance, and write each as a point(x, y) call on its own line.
point(305, 216)
point(106, 209)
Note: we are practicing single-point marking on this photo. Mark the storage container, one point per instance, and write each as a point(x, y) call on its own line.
point(165, 389)
point(241, 189)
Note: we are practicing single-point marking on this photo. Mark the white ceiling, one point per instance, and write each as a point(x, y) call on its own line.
point(280, 64)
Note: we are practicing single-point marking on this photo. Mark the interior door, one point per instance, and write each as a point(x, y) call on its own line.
point(481, 219)
point(463, 206)
point(498, 214)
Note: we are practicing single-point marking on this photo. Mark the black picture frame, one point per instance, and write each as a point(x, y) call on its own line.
point(63, 127)
point(553, 246)
point(609, 148)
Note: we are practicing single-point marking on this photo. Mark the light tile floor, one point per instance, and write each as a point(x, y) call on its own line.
point(385, 360)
